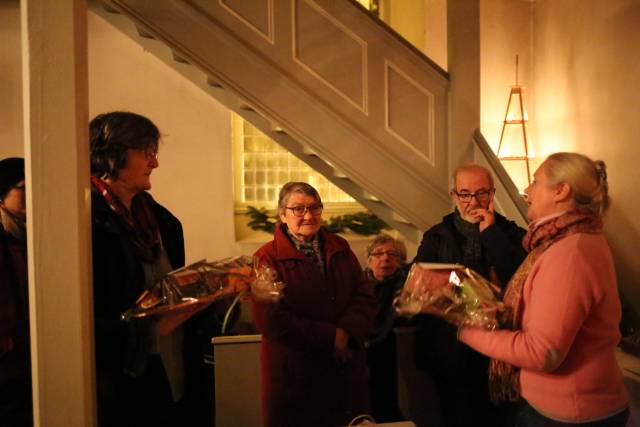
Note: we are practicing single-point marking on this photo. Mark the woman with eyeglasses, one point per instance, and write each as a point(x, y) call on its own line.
point(141, 377)
point(15, 355)
point(385, 258)
point(556, 350)
point(314, 370)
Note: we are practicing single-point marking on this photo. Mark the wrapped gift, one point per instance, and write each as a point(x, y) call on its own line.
point(451, 291)
point(188, 290)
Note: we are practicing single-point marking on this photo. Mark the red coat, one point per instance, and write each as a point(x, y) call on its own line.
point(302, 385)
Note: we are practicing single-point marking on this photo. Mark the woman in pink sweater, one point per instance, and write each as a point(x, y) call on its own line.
point(557, 348)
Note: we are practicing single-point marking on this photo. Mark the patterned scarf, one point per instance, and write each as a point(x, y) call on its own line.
point(140, 223)
point(311, 250)
point(471, 248)
point(503, 377)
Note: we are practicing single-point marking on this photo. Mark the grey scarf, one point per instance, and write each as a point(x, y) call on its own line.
point(312, 249)
point(471, 246)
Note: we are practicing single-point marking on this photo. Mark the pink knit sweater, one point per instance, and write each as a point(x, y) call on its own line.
point(566, 347)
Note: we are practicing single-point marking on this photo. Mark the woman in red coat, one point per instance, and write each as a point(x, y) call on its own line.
point(314, 370)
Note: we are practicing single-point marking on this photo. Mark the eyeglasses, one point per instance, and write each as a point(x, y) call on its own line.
point(150, 153)
point(481, 196)
point(390, 254)
point(301, 211)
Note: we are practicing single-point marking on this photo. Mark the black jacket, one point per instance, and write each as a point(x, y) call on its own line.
point(118, 276)
point(14, 310)
point(385, 291)
point(460, 374)
point(501, 247)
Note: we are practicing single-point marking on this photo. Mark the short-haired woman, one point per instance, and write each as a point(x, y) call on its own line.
point(136, 241)
point(557, 350)
point(385, 259)
point(314, 371)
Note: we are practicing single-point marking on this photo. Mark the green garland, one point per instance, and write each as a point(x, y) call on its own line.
point(363, 223)
point(261, 220)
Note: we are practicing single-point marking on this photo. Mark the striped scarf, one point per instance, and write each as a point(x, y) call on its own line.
point(504, 378)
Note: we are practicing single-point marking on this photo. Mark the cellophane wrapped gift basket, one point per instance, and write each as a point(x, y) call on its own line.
point(184, 292)
point(451, 291)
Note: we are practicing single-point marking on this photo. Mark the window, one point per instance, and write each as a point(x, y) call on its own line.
point(263, 167)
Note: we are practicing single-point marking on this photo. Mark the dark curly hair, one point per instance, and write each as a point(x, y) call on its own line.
point(112, 134)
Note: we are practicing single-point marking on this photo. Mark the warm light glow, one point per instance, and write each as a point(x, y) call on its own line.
point(366, 3)
point(514, 149)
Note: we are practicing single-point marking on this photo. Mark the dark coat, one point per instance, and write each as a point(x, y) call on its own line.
point(501, 247)
point(14, 309)
point(461, 374)
point(118, 276)
point(385, 291)
point(381, 349)
point(118, 280)
point(15, 355)
point(302, 382)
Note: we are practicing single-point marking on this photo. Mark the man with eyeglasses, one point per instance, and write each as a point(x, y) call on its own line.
point(482, 239)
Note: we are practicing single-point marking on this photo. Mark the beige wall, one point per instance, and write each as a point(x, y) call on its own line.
point(586, 79)
point(435, 38)
point(10, 81)
point(194, 178)
point(584, 72)
point(580, 63)
point(505, 31)
point(423, 23)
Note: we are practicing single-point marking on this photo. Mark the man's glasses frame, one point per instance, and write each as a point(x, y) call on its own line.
point(480, 195)
point(301, 211)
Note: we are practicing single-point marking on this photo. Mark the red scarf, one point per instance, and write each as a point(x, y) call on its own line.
point(140, 223)
point(503, 377)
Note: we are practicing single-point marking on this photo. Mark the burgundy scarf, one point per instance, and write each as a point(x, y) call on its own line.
point(504, 378)
point(140, 223)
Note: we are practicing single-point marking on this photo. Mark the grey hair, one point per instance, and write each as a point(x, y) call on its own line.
point(295, 187)
point(381, 239)
point(587, 179)
point(468, 167)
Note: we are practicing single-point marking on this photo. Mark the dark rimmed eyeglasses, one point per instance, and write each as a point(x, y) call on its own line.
point(481, 196)
point(301, 211)
point(150, 153)
point(380, 254)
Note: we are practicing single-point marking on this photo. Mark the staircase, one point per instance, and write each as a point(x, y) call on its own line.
point(326, 80)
